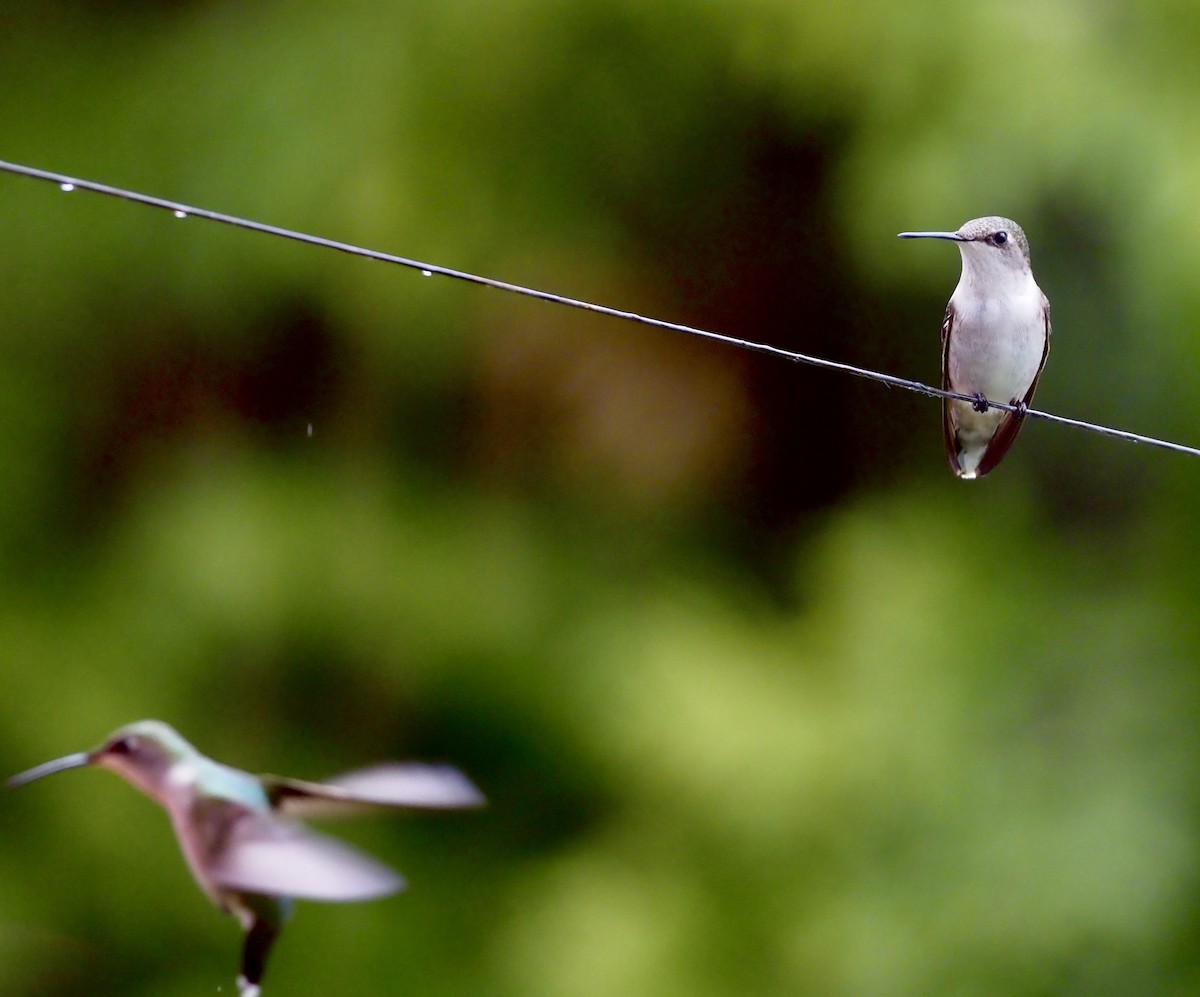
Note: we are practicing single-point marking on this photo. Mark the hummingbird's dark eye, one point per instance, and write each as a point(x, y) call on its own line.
point(121, 747)
point(1000, 238)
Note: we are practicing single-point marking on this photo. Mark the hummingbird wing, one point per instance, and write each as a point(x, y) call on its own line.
point(1010, 424)
point(393, 784)
point(263, 854)
point(948, 431)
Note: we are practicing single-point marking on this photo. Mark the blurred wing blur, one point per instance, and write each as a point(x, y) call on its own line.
point(431, 787)
point(263, 854)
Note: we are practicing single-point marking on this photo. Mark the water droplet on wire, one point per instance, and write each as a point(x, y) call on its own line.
point(180, 214)
point(426, 273)
point(66, 188)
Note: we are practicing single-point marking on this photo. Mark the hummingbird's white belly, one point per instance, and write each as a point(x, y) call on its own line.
point(996, 348)
point(996, 345)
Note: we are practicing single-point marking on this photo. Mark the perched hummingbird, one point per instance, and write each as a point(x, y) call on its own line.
point(995, 340)
point(235, 832)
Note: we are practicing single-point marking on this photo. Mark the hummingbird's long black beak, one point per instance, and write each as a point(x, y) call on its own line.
point(952, 236)
point(77, 760)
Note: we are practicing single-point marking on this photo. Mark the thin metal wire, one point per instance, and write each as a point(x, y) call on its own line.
point(68, 183)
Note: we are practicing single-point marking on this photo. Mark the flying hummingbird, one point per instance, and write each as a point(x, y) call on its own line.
point(236, 833)
point(995, 340)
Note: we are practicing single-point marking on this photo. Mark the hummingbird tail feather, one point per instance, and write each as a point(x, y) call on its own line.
point(1006, 434)
point(259, 939)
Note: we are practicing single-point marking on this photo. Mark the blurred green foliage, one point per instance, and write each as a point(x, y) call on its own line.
point(765, 701)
